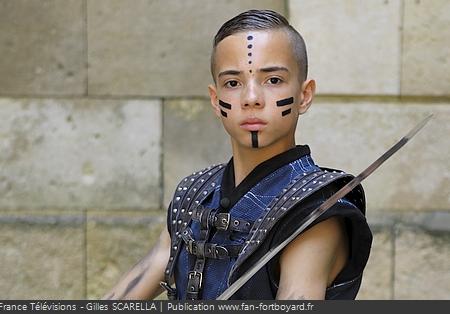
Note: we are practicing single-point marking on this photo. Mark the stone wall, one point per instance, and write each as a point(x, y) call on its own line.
point(103, 108)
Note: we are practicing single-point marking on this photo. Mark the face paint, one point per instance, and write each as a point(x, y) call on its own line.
point(254, 139)
point(250, 46)
point(224, 104)
point(285, 102)
point(285, 112)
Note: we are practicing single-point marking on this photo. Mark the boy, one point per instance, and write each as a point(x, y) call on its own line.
point(224, 218)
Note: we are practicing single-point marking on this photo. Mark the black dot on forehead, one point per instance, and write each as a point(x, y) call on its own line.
point(250, 62)
point(250, 37)
point(250, 46)
point(249, 54)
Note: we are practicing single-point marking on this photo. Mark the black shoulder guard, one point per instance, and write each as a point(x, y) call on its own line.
point(190, 192)
point(298, 191)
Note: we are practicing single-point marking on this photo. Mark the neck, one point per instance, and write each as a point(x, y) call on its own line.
point(245, 159)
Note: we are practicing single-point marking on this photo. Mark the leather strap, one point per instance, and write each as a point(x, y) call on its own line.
point(220, 221)
point(203, 249)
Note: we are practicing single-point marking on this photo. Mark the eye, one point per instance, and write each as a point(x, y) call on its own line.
point(274, 81)
point(232, 84)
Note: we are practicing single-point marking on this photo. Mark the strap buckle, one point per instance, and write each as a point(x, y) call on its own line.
point(196, 274)
point(222, 221)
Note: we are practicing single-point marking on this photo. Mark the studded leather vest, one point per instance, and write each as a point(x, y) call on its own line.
point(211, 248)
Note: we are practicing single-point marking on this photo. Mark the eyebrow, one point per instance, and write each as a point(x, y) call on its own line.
point(273, 69)
point(229, 72)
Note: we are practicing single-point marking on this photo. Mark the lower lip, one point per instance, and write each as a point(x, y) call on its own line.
point(253, 126)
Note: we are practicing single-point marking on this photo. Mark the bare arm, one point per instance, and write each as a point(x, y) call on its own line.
point(142, 281)
point(312, 261)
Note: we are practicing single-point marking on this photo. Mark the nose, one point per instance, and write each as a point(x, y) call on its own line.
point(252, 97)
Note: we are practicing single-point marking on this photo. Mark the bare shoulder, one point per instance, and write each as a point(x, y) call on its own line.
point(312, 261)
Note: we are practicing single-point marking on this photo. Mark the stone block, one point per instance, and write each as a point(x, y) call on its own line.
point(350, 135)
point(193, 139)
point(422, 268)
point(353, 46)
point(426, 48)
point(157, 48)
point(41, 257)
point(72, 154)
point(377, 278)
point(116, 242)
point(42, 46)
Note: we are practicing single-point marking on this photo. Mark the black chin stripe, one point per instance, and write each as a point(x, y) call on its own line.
point(254, 139)
point(223, 113)
point(285, 102)
point(285, 112)
point(224, 104)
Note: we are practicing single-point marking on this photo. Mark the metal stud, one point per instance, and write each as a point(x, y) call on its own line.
point(177, 198)
point(183, 210)
point(174, 222)
point(175, 210)
point(195, 189)
point(179, 222)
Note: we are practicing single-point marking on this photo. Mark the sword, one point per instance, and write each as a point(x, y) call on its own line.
point(320, 210)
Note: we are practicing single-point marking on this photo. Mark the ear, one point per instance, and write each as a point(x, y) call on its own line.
point(308, 91)
point(214, 100)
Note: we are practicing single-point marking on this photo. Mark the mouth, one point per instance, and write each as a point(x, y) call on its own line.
point(253, 124)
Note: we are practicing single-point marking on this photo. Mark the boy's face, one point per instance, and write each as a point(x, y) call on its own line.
point(258, 93)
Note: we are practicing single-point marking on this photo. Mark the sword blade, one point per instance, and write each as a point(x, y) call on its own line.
point(321, 209)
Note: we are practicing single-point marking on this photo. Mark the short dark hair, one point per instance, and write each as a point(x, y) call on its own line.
point(252, 20)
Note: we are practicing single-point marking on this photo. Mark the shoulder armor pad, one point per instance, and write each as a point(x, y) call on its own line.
point(190, 192)
point(296, 192)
